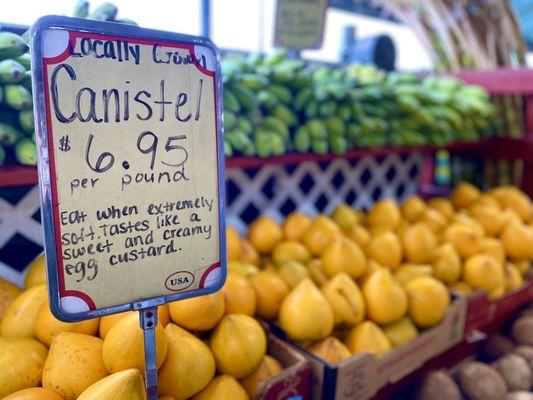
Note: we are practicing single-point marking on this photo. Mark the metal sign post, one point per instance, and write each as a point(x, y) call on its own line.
point(148, 322)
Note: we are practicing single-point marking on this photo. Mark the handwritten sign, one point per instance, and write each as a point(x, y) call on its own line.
point(300, 23)
point(130, 164)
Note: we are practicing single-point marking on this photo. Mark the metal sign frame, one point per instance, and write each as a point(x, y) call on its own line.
point(44, 167)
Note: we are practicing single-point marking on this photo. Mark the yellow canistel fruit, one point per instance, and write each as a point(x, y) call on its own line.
point(523, 266)
point(493, 247)
point(345, 300)
point(490, 217)
point(316, 272)
point(295, 225)
point(233, 244)
point(419, 244)
point(359, 234)
point(513, 277)
point(517, 239)
point(371, 267)
point(21, 362)
point(199, 313)
point(107, 322)
point(461, 288)
point(238, 344)
point(34, 393)
point(345, 216)
point(386, 249)
point(407, 272)
point(447, 265)
point(239, 294)
point(290, 250)
point(443, 206)
point(124, 385)
point(36, 272)
point(401, 331)
point(512, 198)
point(434, 220)
point(385, 298)
point(464, 195)
point(464, 238)
point(384, 214)
point(188, 367)
point(413, 208)
point(8, 293)
point(242, 268)
point(331, 350)
point(270, 290)
point(320, 234)
point(305, 314)
point(367, 336)
point(343, 255)
point(249, 254)
point(428, 301)
point(482, 271)
point(292, 272)
point(20, 315)
point(264, 234)
point(223, 387)
point(268, 369)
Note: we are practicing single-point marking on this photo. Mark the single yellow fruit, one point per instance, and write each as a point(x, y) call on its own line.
point(523, 266)
point(74, 363)
point(345, 300)
point(268, 369)
point(482, 271)
point(490, 217)
point(264, 234)
point(124, 385)
point(343, 255)
point(413, 208)
point(447, 264)
point(270, 290)
point(320, 234)
point(345, 216)
point(331, 350)
point(223, 387)
point(464, 195)
point(464, 238)
point(428, 301)
point(513, 277)
point(316, 272)
point(419, 244)
point(385, 298)
point(107, 322)
point(434, 220)
point(463, 218)
point(442, 205)
point(198, 313)
point(295, 225)
point(249, 254)
point(510, 216)
point(188, 367)
point(511, 197)
point(407, 272)
point(367, 336)
point(290, 250)
point(488, 200)
point(35, 272)
point(34, 393)
point(461, 288)
point(292, 272)
point(124, 345)
point(517, 240)
point(385, 248)
point(401, 331)
point(239, 294)
point(305, 314)
point(493, 247)
point(8, 294)
point(20, 315)
point(242, 269)
point(21, 362)
point(359, 234)
point(238, 344)
point(371, 267)
point(385, 214)
point(47, 326)
point(233, 244)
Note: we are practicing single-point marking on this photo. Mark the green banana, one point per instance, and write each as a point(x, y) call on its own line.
point(277, 145)
point(254, 115)
point(344, 112)
point(26, 121)
point(238, 139)
point(25, 61)
point(26, 81)
point(267, 99)
point(104, 12)
point(230, 120)
point(11, 45)
point(327, 108)
point(9, 135)
point(26, 152)
point(244, 125)
point(319, 146)
point(281, 92)
point(335, 126)
point(275, 58)
point(228, 150)
point(317, 129)
point(231, 102)
point(302, 98)
point(262, 142)
point(311, 109)
point(245, 96)
point(337, 144)
point(302, 140)
point(286, 115)
point(11, 71)
point(17, 97)
point(81, 9)
point(277, 126)
point(253, 81)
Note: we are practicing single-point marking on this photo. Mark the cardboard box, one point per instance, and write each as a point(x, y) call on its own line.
point(295, 380)
point(364, 374)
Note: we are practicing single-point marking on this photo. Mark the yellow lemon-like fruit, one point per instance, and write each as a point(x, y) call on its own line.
point(413, 208)
point(464, 195)
point(385, 298)
point(124, 385)
point(494, 248)
point(443, 206)
point(34, 393)
point(461, 288)
point(47, 327)
point(428, 301)
point(316, 272)
point(188, 367)
point(249, 254)
point(198, 313)
point(73, 364)
point(447, 265)
point(305, 314)
point(384, 214)
point(517, 240)
point(407, 272)
point(343, 255)
point(359, 234)
point(292, 272)
point(295, 225)
point(320, 234)
point(290, 250)
point(223, 387)
point(8, 294)
point(401, 331)
point(345, 300)
point(238, 344)
point(514, 199)
point(463, 218)
point(331, 350)
point(513, 277)
point(523, 266)
point(371, 267)
point(488, 200)
point(233, 244)
point(264, 234)
point(21, 362)
point(434, 220)
point(345, 216)
point(268, 369)
point(270, 290)
point(242, 268)
point(385, 248)
point(419, 244)
point(482, 271)
point(490, 217)
point(367, 336)
point(464, 238)
point(108, 321)
point(36, 272)
point(124, 345)
point(19, 317)
point(239, 294)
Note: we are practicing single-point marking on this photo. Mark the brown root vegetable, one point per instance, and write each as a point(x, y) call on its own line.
point(496, 346)
point(515, 371)
point(438, 385)
point(478, 381)
point(526, 352)
point(522, 330)
point(519, 395)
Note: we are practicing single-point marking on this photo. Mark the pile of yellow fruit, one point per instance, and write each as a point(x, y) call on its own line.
point(357, 281)
point(205, 346)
